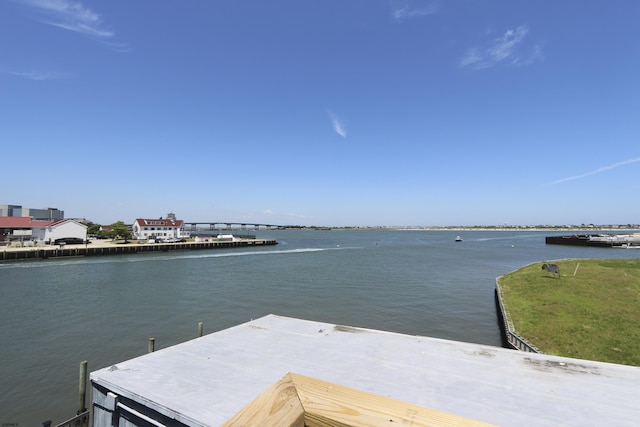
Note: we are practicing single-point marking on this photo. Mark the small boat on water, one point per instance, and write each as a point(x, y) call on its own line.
point(458, 239)
point(628, 246)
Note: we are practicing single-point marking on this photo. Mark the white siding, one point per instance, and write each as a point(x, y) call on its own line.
point(66, 229)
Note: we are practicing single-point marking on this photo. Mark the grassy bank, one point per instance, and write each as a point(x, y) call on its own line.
point(594, 314)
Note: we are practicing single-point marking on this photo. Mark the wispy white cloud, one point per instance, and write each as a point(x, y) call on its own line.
point(36, 75)
point(72, 15)
point(338, 125)
point(511, 49)
point(473, 57)
point(597, 171)
point(405, 11)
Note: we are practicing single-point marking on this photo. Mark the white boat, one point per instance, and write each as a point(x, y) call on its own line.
point(458, 239)
point(628, 246)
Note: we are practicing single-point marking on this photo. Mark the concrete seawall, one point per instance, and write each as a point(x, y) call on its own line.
point(121, 249)
point(509, 335)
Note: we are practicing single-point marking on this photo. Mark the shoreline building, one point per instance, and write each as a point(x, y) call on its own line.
point(168, 228)
point(44, 214)
point(29, 226)
point(25, 231)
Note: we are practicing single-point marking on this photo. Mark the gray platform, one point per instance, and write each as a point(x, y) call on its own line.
point(204, 382)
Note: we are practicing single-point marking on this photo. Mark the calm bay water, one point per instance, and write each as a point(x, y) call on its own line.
point(56, 313)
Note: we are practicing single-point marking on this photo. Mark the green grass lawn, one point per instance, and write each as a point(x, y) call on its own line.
point(594, 314)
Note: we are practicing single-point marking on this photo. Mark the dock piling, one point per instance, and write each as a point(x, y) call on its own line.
point(199, 329)
point(152, 345)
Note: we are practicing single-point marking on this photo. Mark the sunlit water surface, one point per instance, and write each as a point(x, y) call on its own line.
point(56, 313)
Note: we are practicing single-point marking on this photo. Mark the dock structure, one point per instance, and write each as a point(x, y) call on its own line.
point(285, 371)
point(631, 241)
point(46, 252)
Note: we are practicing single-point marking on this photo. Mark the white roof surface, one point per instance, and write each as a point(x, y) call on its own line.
point(208, 380)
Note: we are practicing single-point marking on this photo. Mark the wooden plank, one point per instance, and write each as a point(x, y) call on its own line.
point(328, 404)
point(277, 406)
point(300, 401)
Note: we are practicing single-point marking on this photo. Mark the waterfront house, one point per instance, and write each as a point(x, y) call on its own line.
point(26, 230)
point(159, 228)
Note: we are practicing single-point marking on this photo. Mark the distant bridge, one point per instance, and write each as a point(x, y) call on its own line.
point(229, 226)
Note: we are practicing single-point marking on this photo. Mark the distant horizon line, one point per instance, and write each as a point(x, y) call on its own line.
point(459, 226)
point(479, 226)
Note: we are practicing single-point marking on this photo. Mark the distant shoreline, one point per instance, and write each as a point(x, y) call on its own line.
point(484, 228)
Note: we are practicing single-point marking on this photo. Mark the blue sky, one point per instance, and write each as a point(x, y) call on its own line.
point(356, 112)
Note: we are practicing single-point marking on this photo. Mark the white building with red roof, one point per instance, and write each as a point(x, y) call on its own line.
point(168, 228)
point(25, 229)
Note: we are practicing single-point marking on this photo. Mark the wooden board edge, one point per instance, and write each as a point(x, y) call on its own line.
point(279, 405)
point(328, 404)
